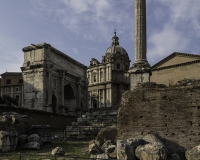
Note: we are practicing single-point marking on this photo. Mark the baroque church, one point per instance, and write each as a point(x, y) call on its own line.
point(109, 78)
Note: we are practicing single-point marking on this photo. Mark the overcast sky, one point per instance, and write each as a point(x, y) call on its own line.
point(83, 29)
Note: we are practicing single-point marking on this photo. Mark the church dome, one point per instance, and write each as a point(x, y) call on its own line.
point(115, 51)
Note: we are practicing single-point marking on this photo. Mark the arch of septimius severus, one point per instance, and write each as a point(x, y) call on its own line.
point(53, 81)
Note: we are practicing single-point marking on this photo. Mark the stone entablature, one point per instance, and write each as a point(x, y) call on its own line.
point(53, 81)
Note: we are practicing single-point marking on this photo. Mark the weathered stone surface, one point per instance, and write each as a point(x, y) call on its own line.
point(32, 145)
point(8, 141)
point(125, 150)
point(33, 138)
point(99, 156)
point(95, 149)
point(113, 155)
point(154, 150)
point(110, 149)
point(193, 154)
point(135, 142)
point(172, 113)
point(43, 131)
point(106, 145)
point(42, 77)
point(22, 141)
point(58, 151)
point(103, 156)
point(109, 133)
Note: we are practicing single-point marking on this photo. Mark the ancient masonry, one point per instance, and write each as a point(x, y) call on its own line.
point(140, 71)
point(173, 114)
point(53, 81)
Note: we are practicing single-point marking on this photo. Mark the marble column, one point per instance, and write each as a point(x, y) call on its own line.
point(110, 92)
point(140, 72)
point(99, 75)
point(103, 100)
point(110, 73)
point(62, 89)
point(99, 98)
point(140, 31)
point(50, 88)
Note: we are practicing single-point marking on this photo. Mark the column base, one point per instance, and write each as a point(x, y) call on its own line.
point(139, 74)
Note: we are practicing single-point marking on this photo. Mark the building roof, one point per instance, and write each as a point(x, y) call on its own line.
point(12, 74)
point(189, 58)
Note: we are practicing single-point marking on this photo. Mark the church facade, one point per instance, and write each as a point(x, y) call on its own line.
point(53, 81)
point(109, 78)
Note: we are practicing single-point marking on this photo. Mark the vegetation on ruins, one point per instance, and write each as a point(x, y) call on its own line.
point(72, 149)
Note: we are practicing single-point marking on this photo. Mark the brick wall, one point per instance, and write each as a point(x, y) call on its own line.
point(172, 114)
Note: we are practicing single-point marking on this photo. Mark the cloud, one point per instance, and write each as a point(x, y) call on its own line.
point(88, 19)
point(178, 29)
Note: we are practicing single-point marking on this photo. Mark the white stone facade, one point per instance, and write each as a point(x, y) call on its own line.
point(53, 81)
point(110, 78)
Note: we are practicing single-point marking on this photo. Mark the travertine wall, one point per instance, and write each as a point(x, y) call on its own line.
point(172, 114)
point(48, 76)
point(169, 76)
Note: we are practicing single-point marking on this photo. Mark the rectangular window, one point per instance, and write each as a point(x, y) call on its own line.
point(17, 89)
point(20, 80)
point(8, 81)
point(95, 79)
point(118, 66)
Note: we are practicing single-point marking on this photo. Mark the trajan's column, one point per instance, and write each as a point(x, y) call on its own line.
point(140, 71)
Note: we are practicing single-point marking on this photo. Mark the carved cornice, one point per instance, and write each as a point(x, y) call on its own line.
point(45, 45)
point(176, 65)
point(172, 56)
point(36, 46)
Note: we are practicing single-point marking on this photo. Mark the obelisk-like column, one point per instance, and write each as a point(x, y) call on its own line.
point(140, 31)
point(140, 71)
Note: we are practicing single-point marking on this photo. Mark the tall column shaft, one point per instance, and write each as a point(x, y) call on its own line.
point(140, 31)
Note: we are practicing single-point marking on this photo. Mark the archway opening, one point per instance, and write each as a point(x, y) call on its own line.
point(68, 92)
point(69, 98)
point(54, 101)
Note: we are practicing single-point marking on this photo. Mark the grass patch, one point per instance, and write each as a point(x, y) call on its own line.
point(71, 148)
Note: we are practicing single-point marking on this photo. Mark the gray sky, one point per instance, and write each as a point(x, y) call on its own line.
point(83, 29)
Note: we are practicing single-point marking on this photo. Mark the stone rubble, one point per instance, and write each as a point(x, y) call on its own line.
point(58, 151)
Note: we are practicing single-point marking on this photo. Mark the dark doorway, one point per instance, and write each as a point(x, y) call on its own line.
point(54, 100)
point(94, 103)
point(68, 92)
point(69, 98)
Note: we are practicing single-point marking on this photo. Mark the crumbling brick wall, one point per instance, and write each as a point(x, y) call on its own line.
point(171, 113)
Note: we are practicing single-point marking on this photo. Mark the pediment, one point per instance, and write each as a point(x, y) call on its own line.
point(176, 59)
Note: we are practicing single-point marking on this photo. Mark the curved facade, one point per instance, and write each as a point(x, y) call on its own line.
point(108, 79)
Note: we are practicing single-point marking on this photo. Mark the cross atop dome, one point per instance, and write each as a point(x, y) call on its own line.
point(115, 39)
